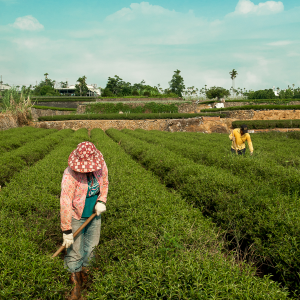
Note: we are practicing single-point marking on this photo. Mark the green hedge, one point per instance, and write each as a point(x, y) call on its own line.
point(277, 100)
point(255, 107)
point(208, 102)
point(15, 140)
point(151, 107)
point(14, 161)
point(263, 124)
point(63, 99)
point(54, 108)
point(158, 96)
point(254, 201)
point(142, 116)
point(15, 131)
point(156, 246)
point(30, 227)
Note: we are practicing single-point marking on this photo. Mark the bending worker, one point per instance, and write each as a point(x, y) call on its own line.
point(84, 190)
point(238, 137)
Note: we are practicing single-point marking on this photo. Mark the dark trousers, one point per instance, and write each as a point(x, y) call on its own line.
point(240, 152)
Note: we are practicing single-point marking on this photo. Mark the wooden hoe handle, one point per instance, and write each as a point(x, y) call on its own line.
point(76, 233)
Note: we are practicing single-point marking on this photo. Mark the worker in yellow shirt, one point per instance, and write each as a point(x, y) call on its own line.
point(238, 137)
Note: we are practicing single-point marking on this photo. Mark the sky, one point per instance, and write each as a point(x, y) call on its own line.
point(204, 39)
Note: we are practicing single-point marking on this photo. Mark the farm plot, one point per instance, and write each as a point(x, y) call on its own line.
point(30, 231)
point(260, 217)
point(14, 161)
point(16, 140)
point(16, 130)
point(153, 244)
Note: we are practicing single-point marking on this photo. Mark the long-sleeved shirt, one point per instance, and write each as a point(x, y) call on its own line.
point(240, 140)
point(74, 189)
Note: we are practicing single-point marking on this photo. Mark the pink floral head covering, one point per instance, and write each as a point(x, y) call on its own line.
point(85, 158)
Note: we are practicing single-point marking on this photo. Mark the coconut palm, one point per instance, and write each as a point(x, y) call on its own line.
point(46, 74)
point(233, 75)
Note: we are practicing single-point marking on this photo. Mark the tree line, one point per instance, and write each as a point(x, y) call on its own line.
point(117, 87)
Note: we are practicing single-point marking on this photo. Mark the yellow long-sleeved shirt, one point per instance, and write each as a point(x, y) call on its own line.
point(240, 140)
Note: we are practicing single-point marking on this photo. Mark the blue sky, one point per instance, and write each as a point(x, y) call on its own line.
point(205, 39)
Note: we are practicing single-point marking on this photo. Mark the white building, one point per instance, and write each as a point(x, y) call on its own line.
point(70, 90)
point(4, 87)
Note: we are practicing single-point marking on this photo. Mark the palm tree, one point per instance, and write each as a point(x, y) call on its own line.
point(46, 74)
point(233, 75)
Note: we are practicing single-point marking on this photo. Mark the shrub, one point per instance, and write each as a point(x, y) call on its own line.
point(14, 140)
point(135, 93)
point(217, 92)
point(131, 116)
point(107, 93)
point(53, 108)
point(262, 94)
point(14, 161)
point(150, 107)
point(261, 214)
point(255, 107)
point(147, 94)
point(264, 124)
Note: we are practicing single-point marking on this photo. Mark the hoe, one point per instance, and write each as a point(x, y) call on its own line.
point(76, 233)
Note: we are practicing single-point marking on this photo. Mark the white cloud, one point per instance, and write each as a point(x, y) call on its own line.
point(146, 24)
point(280, 43)
point(28, 23)
point(245, 7)
point(139, 9)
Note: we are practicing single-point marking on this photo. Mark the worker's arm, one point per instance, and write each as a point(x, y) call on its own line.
point(249, 142)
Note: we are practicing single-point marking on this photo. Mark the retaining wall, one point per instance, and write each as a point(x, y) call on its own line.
point(36, 113)
point(205, 124)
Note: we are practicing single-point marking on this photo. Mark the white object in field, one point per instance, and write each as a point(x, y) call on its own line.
point(219, 105)
point(250, 131)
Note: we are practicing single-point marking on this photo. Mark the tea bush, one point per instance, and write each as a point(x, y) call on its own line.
point(125, 116)
point(263, 124)
point(13, 141)
point(256, 214)
point(16, 131)
point(53, 108)
point(154, 245)
point(255, 107)
point(30, 228)
point(63, 99)
point(13, 161)
point(150, 107)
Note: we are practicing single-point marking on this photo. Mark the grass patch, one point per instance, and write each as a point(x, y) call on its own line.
point(54, 108)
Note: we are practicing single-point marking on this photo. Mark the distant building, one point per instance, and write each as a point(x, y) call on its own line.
point(4, 87)
point(93, 91)
point(276, 92)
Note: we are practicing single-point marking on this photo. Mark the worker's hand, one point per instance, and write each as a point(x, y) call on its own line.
point(68, 240)
point(100, 208)
point(251, 153)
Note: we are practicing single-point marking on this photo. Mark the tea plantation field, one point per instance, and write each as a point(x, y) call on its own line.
point(185, 219)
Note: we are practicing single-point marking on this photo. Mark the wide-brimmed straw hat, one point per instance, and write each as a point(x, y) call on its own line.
point(85, 158)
